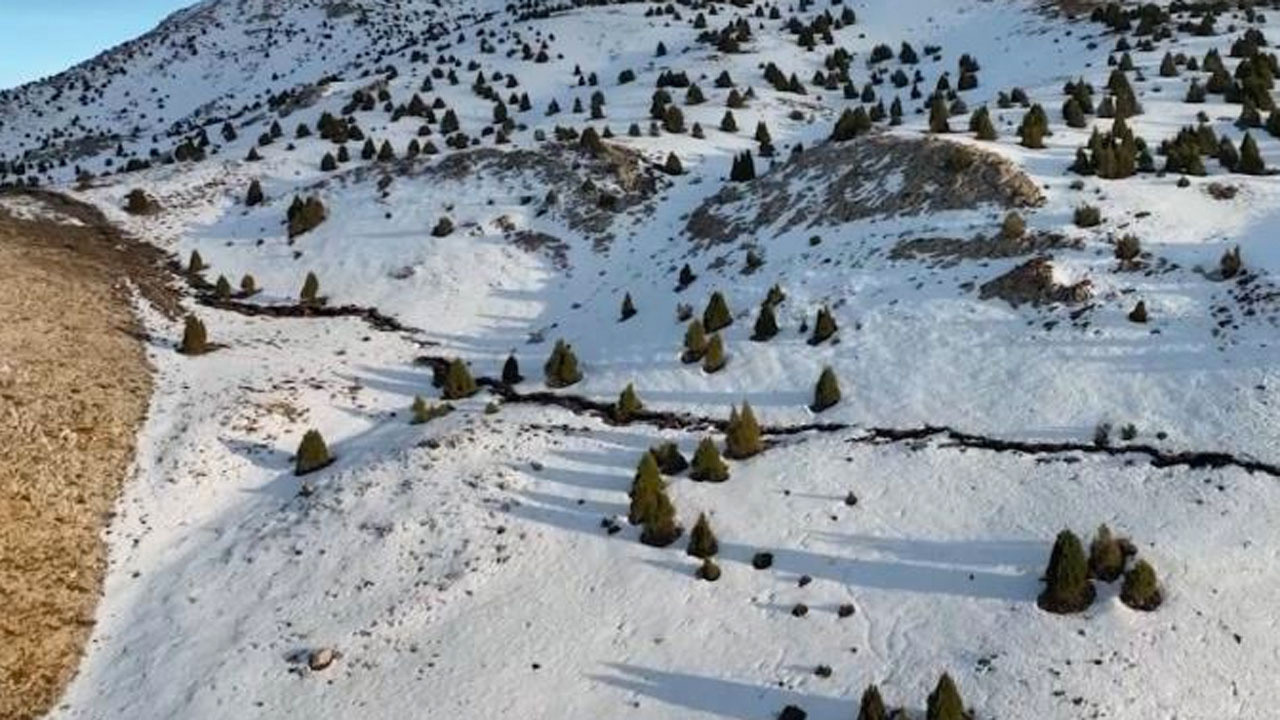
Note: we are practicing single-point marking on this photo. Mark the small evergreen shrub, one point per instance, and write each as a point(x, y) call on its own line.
point(310, 294)
point(742, 435)
point(1067, 589)
point(421, 411)
point(511, 371)
point(1106, 558)
point(195, 339)
point(312, 455)
point(702, 541)
point(827, 391)
point(714, 360)
point(561, 369)
point(669, 459)
point(458, 383)
point(1141, 590)
point(871, 707)
point(766, 324)
point(823, 327)
point(695, 343)
point(708, 466)
point(628, 404)
point(717, 315)
point(944, 702)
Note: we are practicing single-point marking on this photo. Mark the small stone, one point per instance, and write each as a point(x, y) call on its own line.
point(762, 560)
point(321, 658)
point(845, 610)
point(791, 712)
point(800, 610)
point(850, 499)
point(805, 580)
point(822, 671)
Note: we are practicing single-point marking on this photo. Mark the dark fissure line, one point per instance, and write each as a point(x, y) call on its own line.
point(669, 420)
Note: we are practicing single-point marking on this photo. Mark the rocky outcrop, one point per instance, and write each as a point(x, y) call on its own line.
point(879, 174)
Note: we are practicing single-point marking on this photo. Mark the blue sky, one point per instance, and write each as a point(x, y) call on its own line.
point(43, 37)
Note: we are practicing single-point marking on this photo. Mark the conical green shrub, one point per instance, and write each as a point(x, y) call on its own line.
point(872, 705)
point(660, 527)
point(1067, 589)
point(702, 541)
point(248, 286)
point(717, 315)
point(644, 490)
point(1106, 557)
point(766, 324)
point(422, 411)
point(222, 288)
point(561, 369)
point(628, 404)
point(511, 371)
point(944, 702)
point(981, 125)
point(742, 436)
point(695, 342)
point(313, 454)
point(823, 327)
point(714, 360)
point(195, 340)
point(419, 410)
point(458, 382)
point(195, 264)
point(827, 392)
point(708, 466)
point(628, 308)
point(1250, 159)
point(254, 196)
point(669, 459)
point(310, 290)
point(1141, 590)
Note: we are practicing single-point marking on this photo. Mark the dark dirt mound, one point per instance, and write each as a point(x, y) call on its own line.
point(836, 183)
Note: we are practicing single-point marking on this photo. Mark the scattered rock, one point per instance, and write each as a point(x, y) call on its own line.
point(321, 658)
point(791, 712)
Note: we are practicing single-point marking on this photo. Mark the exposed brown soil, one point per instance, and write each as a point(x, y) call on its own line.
point(875, 175)
point(948, 251)
point(1032, 282)
point(74, 388)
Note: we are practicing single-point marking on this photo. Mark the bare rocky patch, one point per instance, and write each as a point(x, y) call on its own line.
point(836, 183)
point(1033, 283)
point(949, 251)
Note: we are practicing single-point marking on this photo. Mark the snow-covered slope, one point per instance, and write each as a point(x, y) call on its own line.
point(461, 568)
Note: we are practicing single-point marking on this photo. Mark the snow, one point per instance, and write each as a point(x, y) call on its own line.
point(457, 579)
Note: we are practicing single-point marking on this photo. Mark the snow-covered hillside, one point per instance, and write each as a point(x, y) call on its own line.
point(499, 178)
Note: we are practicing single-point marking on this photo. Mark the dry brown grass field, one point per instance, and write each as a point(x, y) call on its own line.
point(74, 388)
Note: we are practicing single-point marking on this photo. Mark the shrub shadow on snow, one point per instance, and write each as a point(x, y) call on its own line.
point(1026, 554)
point(260, 454)
point(718, 696)
point(391, 380)
point(892, 575)
point(614, 460)
point(577, 478)
point(565, 513)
